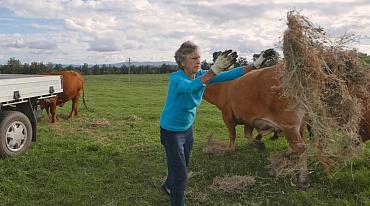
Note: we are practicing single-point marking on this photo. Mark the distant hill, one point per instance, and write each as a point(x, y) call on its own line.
point(145, 63)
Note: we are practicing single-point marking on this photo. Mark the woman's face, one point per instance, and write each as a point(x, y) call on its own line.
point(192, 63)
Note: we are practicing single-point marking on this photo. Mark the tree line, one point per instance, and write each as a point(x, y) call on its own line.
point(15, 66)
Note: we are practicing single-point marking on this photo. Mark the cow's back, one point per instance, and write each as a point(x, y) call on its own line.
point(72, 84)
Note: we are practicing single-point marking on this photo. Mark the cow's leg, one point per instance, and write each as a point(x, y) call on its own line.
point(74, 106)
point(275, 136)
point(257, 143)
point(298, 145)
point(259, 137)
point(232, 135)
point(47, 109)
point(230, 124)
point(74, 109)
point(53, 108)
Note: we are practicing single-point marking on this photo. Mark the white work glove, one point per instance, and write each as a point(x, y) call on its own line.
point(263, 57)
point(224, 61)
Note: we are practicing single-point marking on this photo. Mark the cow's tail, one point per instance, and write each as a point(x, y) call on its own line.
point(83, 99)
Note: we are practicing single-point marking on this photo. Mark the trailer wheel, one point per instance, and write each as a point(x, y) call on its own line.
point(15, 133)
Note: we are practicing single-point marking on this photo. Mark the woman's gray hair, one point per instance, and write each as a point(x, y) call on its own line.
point(183, 52)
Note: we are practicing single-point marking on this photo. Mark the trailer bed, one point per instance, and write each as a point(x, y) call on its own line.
point(17, 87)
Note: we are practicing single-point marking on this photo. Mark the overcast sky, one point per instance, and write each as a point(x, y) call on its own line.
point(112, 31)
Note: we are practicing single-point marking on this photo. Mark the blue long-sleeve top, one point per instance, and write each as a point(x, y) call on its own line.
point(184, 95)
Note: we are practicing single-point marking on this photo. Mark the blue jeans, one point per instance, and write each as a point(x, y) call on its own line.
point(178, 146)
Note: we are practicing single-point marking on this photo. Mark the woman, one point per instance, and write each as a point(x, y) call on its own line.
point(185, 91)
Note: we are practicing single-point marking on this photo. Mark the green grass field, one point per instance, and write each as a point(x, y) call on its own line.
point(111, 155)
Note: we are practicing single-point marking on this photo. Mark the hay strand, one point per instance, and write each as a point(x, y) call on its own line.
point(232, 183)
point(216, 147)
point(281, 166)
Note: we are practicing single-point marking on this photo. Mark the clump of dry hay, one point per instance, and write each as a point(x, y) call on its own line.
point(281, 166)
point(216, 147)
point(232, 183)
point(327, 80)
point(134, 118)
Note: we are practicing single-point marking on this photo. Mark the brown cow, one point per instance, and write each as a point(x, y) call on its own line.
point(365, 121)
point(73, 83)
point(254, 100)
point(365, 127)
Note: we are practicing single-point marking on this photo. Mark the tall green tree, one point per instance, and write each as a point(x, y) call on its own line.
point(36, 67)
point(366, 59)
point(58, 67)
point(85, 69)
point(50, 67)
point(96, 69)
point(205, 65)
point(241, 61)
point(13, 66)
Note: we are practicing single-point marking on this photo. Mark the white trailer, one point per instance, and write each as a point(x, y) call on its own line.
point(19, 95)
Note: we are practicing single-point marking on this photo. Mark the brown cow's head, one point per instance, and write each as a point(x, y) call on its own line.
point(47, 103)
point(44, 103)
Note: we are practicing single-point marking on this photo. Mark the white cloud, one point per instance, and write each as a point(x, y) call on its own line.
point(110, 31)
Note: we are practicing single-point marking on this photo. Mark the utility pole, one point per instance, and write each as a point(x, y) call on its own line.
point(129, 72)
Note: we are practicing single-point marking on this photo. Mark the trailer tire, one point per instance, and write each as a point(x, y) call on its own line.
point(15, 133)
